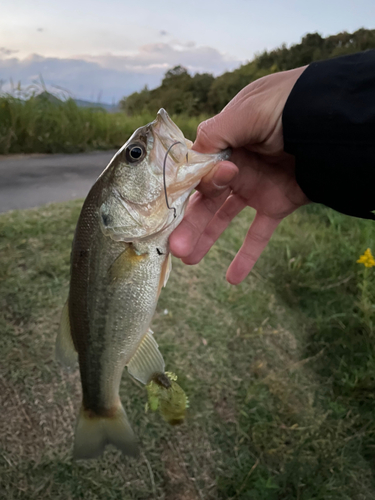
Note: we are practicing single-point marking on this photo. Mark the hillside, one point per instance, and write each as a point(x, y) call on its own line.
point(182, 93)
point(111, 108)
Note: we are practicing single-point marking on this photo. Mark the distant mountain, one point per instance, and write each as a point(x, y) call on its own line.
point(111, 108)
point(46, 96)
point(56, 99)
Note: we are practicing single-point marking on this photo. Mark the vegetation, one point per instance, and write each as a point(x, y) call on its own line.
point(34, 121)
point(279, 371)
point(42, 123)
point(179, 93)
point(201, 93)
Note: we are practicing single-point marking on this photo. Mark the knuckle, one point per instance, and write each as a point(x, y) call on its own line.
point(203, 131)
point(248, 255)
point(223, 216)
point(257, 238)
point(210, 135)
point(193, 226)
point(202, 127)
point(209, 205)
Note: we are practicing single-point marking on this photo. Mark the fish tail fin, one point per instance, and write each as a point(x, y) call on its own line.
point(120, 434)
point(94, 432)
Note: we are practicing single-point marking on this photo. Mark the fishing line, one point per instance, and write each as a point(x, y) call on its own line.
point(164, 181)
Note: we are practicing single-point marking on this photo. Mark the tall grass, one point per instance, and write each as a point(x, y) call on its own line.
point(41, 123)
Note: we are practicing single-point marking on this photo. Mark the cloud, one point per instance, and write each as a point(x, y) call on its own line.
point(4, 52)
point(82, 79)
point(150, 56)
point(114, 75)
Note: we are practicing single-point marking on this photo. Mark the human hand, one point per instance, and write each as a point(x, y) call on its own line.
point(259, 175)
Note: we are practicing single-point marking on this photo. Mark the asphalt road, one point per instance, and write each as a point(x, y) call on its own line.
point(32, 180)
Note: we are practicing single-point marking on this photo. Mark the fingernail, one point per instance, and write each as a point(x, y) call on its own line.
point(220, 187)
point(222, 179)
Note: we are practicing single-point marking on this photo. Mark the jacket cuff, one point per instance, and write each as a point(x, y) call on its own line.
point(329, 126)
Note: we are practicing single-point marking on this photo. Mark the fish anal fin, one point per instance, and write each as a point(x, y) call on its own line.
point(94, 432)
point(65, 351)
point(147, 359)
point(125, 264)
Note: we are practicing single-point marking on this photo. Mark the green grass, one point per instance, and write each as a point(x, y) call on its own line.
point(280, 371)
point(42, 125)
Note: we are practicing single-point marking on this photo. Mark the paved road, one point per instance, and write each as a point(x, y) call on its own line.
point(31, 180)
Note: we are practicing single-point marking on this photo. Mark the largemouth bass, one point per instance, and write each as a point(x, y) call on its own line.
point(120, 261)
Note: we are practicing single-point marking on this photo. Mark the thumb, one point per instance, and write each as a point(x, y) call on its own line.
point(252, 118)
point(233, 127)
point(212, 135)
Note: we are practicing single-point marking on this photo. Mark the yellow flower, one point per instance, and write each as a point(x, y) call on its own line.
point(367, 259)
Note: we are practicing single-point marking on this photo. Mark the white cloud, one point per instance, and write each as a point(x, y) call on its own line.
point(196, 59)
point(114, 75)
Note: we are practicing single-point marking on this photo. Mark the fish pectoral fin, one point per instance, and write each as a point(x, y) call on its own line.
point(168, 269)
point(147, 359)
point(94, 432)
point(122, 269)
point(165, 272)
point(65, 351)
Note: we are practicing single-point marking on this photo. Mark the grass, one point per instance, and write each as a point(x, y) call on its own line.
point(280, 371)
point(44, 124)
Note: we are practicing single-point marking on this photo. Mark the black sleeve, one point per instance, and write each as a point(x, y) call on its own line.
point(329, 126)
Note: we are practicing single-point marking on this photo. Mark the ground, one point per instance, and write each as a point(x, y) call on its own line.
point(280, 371)
point(28, 181)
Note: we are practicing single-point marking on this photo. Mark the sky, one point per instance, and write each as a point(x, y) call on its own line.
point(104, 50)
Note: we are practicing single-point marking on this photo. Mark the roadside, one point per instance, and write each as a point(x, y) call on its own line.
point(28, 181)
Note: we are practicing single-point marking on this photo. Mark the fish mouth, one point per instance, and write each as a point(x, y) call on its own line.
point(183, 168)
point(165, 134)
point(167, 131)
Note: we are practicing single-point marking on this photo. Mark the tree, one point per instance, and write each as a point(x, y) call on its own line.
point(181, 93)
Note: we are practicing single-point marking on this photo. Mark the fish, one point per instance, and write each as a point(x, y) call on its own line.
point(120, 261)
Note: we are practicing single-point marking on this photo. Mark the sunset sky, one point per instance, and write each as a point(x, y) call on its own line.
point(108, 49)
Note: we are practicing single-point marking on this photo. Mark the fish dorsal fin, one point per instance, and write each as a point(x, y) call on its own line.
point(147, 360)
point(65, 351)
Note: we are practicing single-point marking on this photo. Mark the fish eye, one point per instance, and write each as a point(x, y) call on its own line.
point(135, 153)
